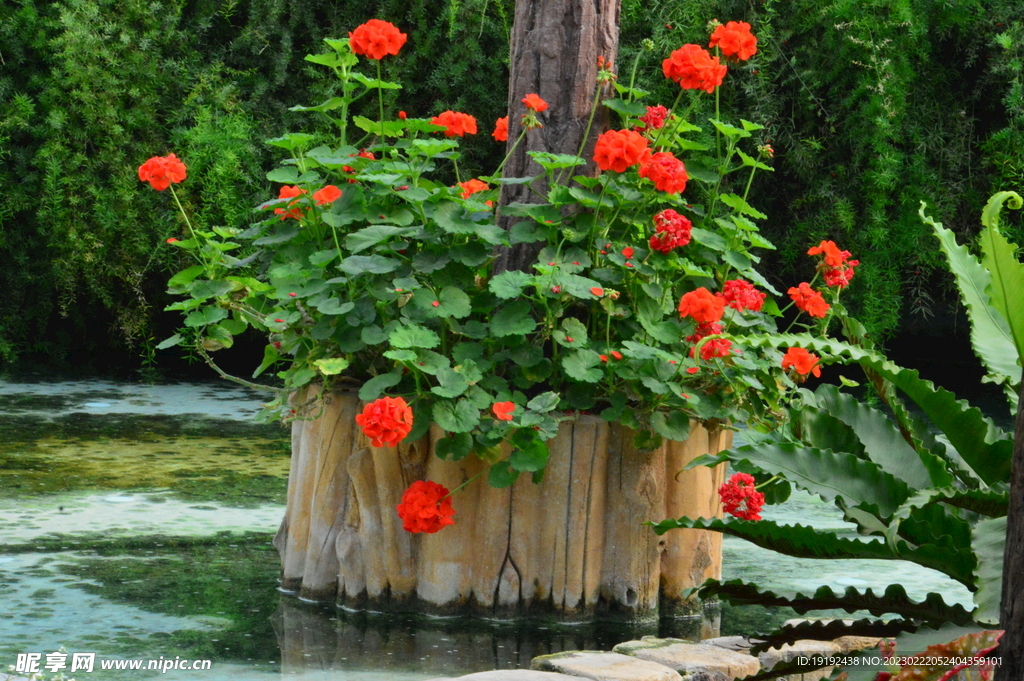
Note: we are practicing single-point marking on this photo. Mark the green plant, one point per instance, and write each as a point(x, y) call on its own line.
point(367, 270)
point(936, 498)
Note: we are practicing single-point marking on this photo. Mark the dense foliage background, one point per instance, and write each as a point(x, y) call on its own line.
point(871, 106)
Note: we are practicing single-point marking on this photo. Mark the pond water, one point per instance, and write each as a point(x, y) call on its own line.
point(136, 521)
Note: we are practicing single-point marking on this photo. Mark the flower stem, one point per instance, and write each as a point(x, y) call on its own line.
point(380, 100)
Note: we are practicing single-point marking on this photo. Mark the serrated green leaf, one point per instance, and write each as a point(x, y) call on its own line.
point(990, 333)
point(413, 336)
point(509, 284)
point(368, 264)
point(1000, 259)
point(368, 237)
point(206, 315)
point(737, 203)
point(452, 383)
point(513, 319)
point(572, 334)
point(551, 161)
point(169, 342)
point(625, 107)
point(988, 542)
point(583, 365)
point(331, 367)
point(456, 417)
point(674, 425)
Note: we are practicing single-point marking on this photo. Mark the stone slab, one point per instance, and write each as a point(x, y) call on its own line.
point(700, 660)
point(604, 666)
point(511, 675)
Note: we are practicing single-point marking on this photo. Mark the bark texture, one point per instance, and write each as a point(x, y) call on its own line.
point(554, 49)
point(574, 547)
point(1011, 615)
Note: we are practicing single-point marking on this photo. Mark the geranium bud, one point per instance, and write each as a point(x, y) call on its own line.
point(401, 115)
point(436, 303)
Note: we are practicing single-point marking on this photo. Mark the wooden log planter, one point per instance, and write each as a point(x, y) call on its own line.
point(572, 548)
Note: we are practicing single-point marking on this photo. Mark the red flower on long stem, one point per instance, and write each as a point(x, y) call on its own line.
point(735, 40)
point(376, 38)
point(694, 68)
point(809, 300)
point(803, 361)
point(162, 171)
point(456, 124)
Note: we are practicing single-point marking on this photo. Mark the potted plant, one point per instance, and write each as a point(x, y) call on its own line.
point(588, 372)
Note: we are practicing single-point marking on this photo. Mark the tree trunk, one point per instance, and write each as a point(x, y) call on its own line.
point(1011, 615)
point(554, 49)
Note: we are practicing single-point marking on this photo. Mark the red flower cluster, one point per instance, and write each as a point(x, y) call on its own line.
point(803, 361)
point(741, 295)
point(735, 40)
point(457, 124)
point(655, 117)
point(694, 68)
point(501, 129)
point(808, 300)
point(535, 103)
point(327, 195)
point(666, 172)
point(161, 171)
point(385, 421)
point(470, 187)
point(672, 230)
point(740, 497)
point(836, 264)
point(292, 211)
point(716, 347)
point(426, 507)
point(702, 305)
point(376, 38)
point(619, 149)
point(704, 329)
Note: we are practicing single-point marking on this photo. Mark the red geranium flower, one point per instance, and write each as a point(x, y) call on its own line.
point(457, 124)
point(619, 149)
point(328, 194)
point(740, 497)
point(533, 101)
point(803, 361)
point(503, 410)
point(808, 300)
point(694, 68)
point(470, 187)
point(702, 305)
point(376, 38)
point(426, 507)
point(161, 171)
point(291, 211)
point(741, 295)
point(655, 117)
point(839, 277)
point(385, 421)
point(672, 230)
point(666, 172)
point(833, 256)
point(735, 40)
point(501, 129)
point(716, 347)
point(704, 329)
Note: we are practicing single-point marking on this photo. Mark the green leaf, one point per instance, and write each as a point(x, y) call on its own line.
point(625, 108)
point(737, 203)
point(333, 366)
point(981, 445)
point(1007, 287)
point(169, 342)
point(454, 303)
point(990, 334)
point(502, 475)
point(376, 386)
point(583, 365)
point(572, 334)
point(830, 475)
point(373, 83)
point(894, 600)
point(368, 264)
point(988, 542)
point(513, 320)
point(454, 448)
point(334, 306)
point(526, 232)
point(391, 128)
point(529, 453)
point(510, 284)
point(206, 315)
point(456, 417)
point(286, 175)
point(270, 355)
point(186, 276)
point(452, 383)
point(883, 443)
point(730, 131)
point(413, 336)
point(544, 402)
point(369, 237)
point(291, 141)
point(674, 425)
point(551, 161)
